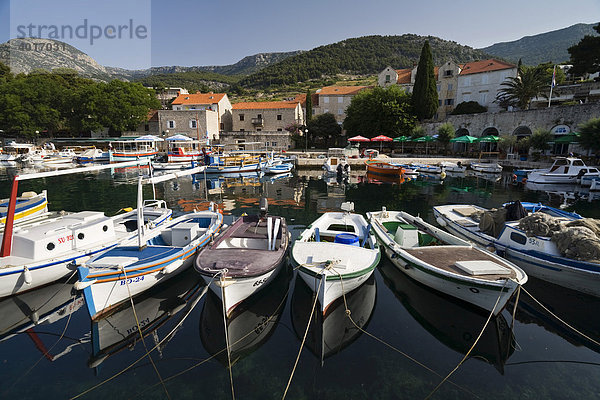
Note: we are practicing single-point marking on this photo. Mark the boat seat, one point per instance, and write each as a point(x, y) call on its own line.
point(465, 211)
point(467, 223)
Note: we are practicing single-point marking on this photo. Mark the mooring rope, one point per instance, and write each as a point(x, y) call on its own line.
point(222, 280)
point(561, 320)
point(349, 315)
point(323, 277)
point(489, 318)
point(144, 356)
point(137, 321)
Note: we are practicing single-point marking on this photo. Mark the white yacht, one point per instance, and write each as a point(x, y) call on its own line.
point(564, 170)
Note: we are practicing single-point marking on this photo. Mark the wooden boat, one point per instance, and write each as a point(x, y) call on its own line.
point(454, 323)
point(376, 178)
point(181, 148)
point(494, 168)
point(162, 252)
point(383, 168)
point(249, 326)
point(275, 167)
point(537, 255)
point(427, 168)
point(245, 258)
point(117, 330)
point(336, 254)
point(235, 164)
point(446, 263)
point(563, 170)
point(331, 333)
point(143, 147)
point(30, 205)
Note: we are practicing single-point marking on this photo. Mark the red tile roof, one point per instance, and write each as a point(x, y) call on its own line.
point(199, 98)
point(404, 75)
point(153, 115)
point(301, 98)
point(263, 105)
point(340, 90)
point(476, 67)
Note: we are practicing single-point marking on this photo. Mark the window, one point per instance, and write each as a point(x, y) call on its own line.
point(146, 127)
point(259, 116)
point(221, 126)
point(326, 110)
point(242, 130)
point(450, 86)
point(266, 144)
point(387, 79)
point(448, 72)
point(279, 130)
point(278, 117)
point(578, 163)
point(258, 129)
point(483, 98)
point(449, 102)
point(340, 100)
point(273, 144)
point(193, 124)
point(439, 103)
point(325, 99)
point(340, 111)
point(314, 111)
point(170, 124)
point(439, 87)
point(518, 238)
point(241, 117)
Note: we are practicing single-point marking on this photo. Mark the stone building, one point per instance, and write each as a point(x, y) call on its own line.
point(193, 123)
point(480, 81)
point(271, 140)
point(335, 100)
point(272, 116)
point(218, 102)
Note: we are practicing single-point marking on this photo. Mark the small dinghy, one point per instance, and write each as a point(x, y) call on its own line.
point(277, 168)
point(384, 168)
point(30, 205)
point(446, 263)
point(493, 168)
point(129, 269)
point(336, 254)
point(245, 258)
point(453, 166)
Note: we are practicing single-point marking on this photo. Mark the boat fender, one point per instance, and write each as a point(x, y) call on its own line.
point(82, 285)
point(491, 249)
point(27, 276)
point(441, 222)
point(443, 174)
point(172, 267)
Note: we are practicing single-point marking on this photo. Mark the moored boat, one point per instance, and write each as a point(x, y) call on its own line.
point(29, 205)
point(272, 169)
point(245, 258)
point(336, 165)
point(493, 168)
point(143, 147)
point(128, 269)
point(384, 168)
point(446, 263)
point(428, 168)
point(537, 253)
point(563, 170)
point(336, 254)
point(453, 166)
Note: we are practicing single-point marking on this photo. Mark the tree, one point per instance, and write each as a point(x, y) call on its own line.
point(585, 55)
point(468, 107)
point(323, 130)
point(380, 111)
point(590, 135)
point(417, 132)
point(518, 91)
point(507, 142)
point(425, 97)
point(308, 106)
point(445, 134)
point(541, 139)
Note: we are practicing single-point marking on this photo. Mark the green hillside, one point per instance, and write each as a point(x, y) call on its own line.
point(364, 55)
point(545, 47)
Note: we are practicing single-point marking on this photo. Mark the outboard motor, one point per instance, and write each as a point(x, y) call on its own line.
point(264, 206)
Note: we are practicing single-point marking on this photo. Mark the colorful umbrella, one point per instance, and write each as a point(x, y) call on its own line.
point(464, 139)
point(402, 139)
point(488, 139)
point(380, 139)
point(359, 139)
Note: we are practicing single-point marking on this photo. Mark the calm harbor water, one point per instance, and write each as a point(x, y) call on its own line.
point(412, 337)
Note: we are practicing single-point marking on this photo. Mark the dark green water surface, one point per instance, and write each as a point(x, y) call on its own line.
point(413, 337)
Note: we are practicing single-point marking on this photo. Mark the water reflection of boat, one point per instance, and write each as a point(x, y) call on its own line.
point(577, 309)
point(43, 306)
point(250, 324)
point(454, 323)
point(118, 330)
point(377, 178)
point(488, 176)
point(331, 333)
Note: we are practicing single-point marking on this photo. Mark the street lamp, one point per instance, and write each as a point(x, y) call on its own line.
point(306, 140)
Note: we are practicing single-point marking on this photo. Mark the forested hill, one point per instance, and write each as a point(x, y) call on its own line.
point(364, 55)
point(545, 47)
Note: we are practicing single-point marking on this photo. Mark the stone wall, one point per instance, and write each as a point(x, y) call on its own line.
point(208, 121)
point(512, 122)
point(277, 141)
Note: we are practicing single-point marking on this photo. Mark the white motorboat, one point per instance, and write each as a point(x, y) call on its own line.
point(336, 254)
point(494, 168)
point(428, 168)
point(92, 155)
point(453, 167)
point(538, 254)
point(130, 268)
point(446, 263)
point(563, 170)
point(336, 165)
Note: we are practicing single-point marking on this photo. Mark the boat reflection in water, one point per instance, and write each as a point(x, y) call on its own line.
point(24, 312)
point(118, 330)
point(577, 309)
point(250, 324)
point(329, 334)
point(454, 323)
point(378, 178)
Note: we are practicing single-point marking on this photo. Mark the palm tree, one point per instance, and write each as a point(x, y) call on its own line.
point(518, 91)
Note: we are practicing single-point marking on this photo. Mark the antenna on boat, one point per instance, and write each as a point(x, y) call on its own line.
point(140, 214)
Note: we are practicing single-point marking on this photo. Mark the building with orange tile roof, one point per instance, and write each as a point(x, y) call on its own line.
point(269, 116)
point(218, 102)
point(480, 81)
point(335, 100)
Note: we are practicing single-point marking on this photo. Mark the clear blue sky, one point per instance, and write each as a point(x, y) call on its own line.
point(187, 32)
